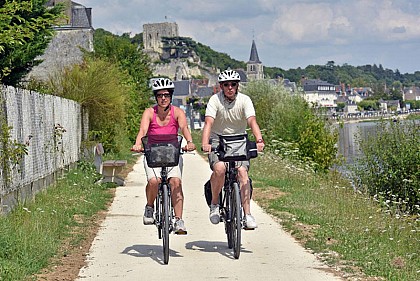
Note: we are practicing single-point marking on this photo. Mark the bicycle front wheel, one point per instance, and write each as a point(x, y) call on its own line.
point(235, 225)
point(165, 222)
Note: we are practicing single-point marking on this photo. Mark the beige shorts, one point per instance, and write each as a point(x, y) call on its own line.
point(173, 172)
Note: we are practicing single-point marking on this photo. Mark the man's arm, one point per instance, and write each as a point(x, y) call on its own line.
point(252, 123)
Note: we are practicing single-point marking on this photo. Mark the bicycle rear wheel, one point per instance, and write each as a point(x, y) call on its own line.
point(235, 224)
point(165, 222)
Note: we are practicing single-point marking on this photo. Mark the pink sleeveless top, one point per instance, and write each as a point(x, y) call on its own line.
point(170, 129)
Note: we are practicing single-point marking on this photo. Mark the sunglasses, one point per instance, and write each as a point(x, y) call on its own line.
point(233, 84)
point(163, 95)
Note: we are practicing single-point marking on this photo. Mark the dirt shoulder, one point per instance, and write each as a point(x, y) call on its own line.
point(71, 258)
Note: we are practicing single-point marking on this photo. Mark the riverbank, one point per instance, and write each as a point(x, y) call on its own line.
point(375, 119)
point(344, 228)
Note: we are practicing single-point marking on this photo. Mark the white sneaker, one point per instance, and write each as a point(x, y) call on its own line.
point(214, 214)
point(148, 215)
point(180, 227)
point(249, 222)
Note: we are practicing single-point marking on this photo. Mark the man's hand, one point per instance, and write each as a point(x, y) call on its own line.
point(260, 146)
point(206, 147)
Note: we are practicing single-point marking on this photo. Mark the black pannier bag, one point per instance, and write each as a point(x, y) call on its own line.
point(207, 191)
point(162, 150)
point(236, 148)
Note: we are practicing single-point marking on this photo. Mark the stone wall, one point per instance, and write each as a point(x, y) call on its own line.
point(176, 70)
point(64, 50)
point(73, 35)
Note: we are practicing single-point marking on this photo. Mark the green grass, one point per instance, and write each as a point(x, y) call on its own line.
point(33, 233)
point(345, 228)
point(413, 116)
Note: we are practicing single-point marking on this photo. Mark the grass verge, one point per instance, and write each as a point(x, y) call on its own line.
point(33, 234)
point(345, 229)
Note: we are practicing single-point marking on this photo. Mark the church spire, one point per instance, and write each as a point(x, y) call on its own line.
point(253, 58)
point(254, 67)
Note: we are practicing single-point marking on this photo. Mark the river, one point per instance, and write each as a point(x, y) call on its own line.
point(350, 133)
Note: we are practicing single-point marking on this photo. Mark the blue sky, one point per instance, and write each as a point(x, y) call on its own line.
point(288, 33)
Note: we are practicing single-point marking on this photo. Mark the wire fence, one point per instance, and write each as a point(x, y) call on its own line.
point(48, 127)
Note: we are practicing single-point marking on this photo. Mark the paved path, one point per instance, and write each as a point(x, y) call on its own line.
point(125, 249)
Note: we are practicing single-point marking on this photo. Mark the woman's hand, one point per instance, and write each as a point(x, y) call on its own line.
point(190, 146)
point(137, 148)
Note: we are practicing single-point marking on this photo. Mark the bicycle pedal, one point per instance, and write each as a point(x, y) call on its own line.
point(247, 228)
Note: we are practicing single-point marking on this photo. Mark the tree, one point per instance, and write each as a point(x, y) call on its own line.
point(369, 105)
point(122, 51)
point(25, 31)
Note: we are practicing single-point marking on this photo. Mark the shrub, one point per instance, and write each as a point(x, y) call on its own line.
point(388, 167)
point(102, 93)
point(291, 127)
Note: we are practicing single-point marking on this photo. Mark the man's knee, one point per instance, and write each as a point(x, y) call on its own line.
point(219, 168)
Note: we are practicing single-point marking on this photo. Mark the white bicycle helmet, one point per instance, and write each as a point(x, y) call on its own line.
point(162, 83)
point(229, 75)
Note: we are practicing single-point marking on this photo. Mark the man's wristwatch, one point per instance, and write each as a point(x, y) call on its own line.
point(189, 141)
point(260, 141)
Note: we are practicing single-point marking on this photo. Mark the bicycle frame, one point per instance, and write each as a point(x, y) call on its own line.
point(164, 212)
point(230, 178)
point(231, 208)
point(160, 200)
point(232, 148)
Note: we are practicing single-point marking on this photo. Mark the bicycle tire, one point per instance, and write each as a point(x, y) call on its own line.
point(236, 225)
point(165, 223)
point(228, 218)
point(158, 218)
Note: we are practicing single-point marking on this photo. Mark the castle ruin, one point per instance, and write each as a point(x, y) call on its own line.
point(152, 36)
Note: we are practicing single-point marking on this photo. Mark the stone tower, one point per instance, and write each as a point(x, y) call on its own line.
point(254, 67)
point(153, 33)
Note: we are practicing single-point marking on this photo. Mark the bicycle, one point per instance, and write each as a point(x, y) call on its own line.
point(232, 148)
point(163, 151)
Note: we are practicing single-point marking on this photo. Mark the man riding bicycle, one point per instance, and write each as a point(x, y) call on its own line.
point(164, 119)
point(229, 112)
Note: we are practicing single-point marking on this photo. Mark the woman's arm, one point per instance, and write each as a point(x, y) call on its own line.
point(182, 123)
point(144, 126)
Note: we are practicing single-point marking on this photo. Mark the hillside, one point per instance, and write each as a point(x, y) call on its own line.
point(377, 77)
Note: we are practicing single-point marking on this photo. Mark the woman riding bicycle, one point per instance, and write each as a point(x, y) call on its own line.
point(229, 112)
point(164, 119)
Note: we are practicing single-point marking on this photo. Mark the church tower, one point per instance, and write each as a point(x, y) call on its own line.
point(254, 67)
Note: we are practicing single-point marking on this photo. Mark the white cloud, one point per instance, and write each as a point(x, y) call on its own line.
point(288, 33)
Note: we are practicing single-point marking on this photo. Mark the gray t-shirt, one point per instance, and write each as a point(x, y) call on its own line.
point(229, 118)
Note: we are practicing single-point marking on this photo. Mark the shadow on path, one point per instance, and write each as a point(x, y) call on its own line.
point(155, 252)
point(215, 246)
